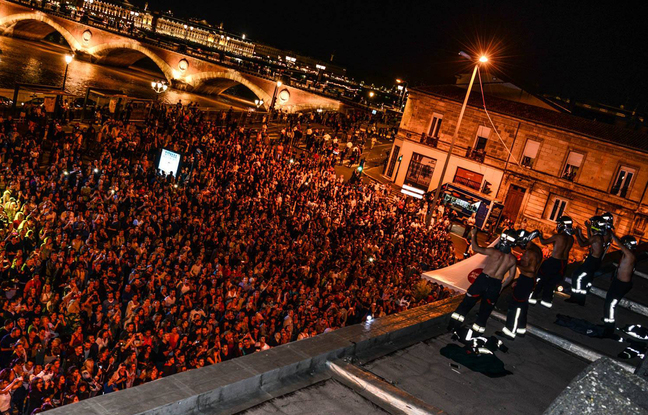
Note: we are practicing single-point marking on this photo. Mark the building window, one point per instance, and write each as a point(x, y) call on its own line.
point(435, 125)
point(574, 161)
point(622, 181)
point(555, 208)
point(419, 173)
point(468, 178)
point(392, 162)
point(530, 153)
point(482, 138)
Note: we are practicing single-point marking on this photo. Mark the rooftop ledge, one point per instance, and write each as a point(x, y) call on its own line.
point(233, 385)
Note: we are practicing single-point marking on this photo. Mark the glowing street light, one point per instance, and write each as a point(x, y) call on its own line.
point(402, 87)
point(68, 60)
point(371, 94)
point(483, 59)
point(274, 96)
point(159, 86)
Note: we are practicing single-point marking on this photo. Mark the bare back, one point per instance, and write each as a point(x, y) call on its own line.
point(531, 260)
point(498, 263)
point(562, 246)
point(595, 243)
point(626, 267)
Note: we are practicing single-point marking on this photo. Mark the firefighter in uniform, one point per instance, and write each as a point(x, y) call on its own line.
point(621, 281)
point(522, 287)
point(583, 276)
point(552, 270)
point(488, 284)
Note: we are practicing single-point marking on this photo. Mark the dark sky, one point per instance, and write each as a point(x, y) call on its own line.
point(572, 48)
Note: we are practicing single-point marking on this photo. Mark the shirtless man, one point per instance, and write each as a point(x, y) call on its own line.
point(522, 287)
point(583, 276)
point(488, 284)
point(621, 282)
point(552, 270)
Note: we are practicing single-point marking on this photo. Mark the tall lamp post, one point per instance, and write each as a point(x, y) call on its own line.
point(274, 96)
point(482, 59)
point(159, 87)
point(402, 88)
point(59, 99)
point(68, 60)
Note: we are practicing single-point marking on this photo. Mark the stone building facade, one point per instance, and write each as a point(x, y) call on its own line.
point(538, 163)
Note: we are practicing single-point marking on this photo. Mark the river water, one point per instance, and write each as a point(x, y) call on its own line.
point(44, 64)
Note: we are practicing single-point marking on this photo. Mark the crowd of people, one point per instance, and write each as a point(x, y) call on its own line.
point(114, 273)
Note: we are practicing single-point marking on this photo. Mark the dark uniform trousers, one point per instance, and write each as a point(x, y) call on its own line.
point(582, 278)
point(516, 317)
point(552, 272)
point(486, 289)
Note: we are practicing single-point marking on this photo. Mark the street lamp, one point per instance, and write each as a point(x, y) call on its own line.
point(274, 96)
point(159, 86)
point(481, 60)
point(402, 87)
point(68, 60)
point(258, 102)
point(320, 70)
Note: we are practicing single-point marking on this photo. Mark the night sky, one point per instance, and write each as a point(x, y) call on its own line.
point(571, 48)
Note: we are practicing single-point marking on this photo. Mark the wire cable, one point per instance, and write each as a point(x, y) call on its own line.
point(481, 87)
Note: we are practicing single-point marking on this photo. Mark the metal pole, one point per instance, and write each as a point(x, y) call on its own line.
point(428, 218)
point(274, 97)
point(85, 103)
point(65, 76)
point(400, 160)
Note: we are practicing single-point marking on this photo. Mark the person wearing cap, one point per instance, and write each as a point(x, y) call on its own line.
point(552, 270)
point(528, 265)
point(583, 276)
point(487, 286)
point(621, 281)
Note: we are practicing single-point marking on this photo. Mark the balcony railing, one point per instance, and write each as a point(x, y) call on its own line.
point(476, 154)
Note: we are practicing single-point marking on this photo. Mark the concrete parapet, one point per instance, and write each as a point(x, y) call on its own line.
point(227, 385)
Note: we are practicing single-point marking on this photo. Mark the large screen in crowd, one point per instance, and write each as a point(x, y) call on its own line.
point(169, 162)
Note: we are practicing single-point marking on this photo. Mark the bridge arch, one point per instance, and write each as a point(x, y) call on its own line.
point(9, 22)
point(197, 81)
point(128, 53)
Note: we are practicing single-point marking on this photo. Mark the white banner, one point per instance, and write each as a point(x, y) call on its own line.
point(460, 275)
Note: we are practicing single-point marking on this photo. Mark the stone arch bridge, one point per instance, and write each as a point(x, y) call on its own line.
point(194, 73)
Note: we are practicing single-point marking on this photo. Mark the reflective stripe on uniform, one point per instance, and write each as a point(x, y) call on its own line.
point(478, 329)
point(508, 332)
point(515, 320)
point(610, 316)
point(458, 317)
point(579, 281)
point(546, 304)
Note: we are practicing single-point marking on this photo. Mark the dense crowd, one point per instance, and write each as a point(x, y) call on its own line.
point(114, 274)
